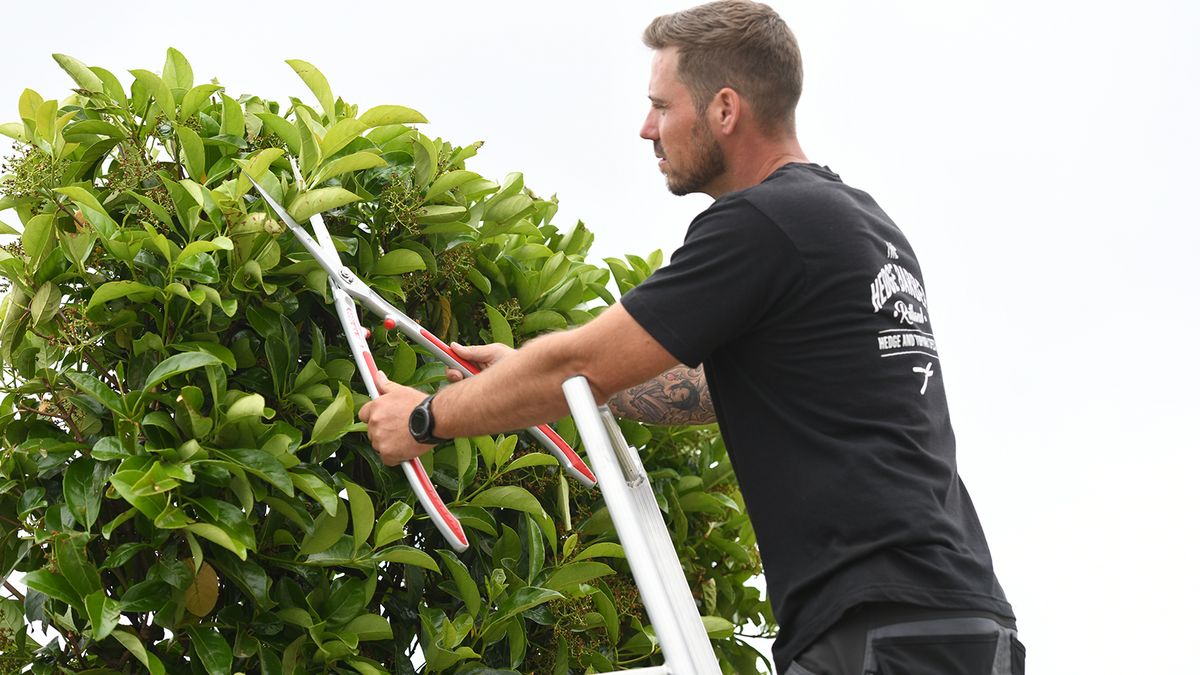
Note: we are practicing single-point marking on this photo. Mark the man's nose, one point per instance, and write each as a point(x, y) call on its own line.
point(649, 128)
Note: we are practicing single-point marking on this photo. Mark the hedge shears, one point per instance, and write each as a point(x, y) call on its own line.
point(347, 288)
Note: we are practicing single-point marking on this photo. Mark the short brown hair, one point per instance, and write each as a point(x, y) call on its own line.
point(737, 44)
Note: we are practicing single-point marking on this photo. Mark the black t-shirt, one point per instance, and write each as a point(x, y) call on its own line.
point(806, 305)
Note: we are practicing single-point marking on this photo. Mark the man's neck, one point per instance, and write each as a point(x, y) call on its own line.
point(750, 164)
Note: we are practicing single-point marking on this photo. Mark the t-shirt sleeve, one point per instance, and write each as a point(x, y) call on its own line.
point(732, 268)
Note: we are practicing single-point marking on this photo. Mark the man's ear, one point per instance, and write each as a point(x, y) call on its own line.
point(726, 110)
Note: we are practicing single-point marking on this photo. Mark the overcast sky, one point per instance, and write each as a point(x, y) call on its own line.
point(1038, 154)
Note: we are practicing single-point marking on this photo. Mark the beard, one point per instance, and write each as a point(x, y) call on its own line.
point(708, 162)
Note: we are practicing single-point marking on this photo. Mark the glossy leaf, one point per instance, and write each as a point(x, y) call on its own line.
point(213, 650)
point(326, 530)
point(318, 201)
point(382, 115)
point(79, 72)
point(135, 647)
point(179, 364)
point(336, 419)
point(103, 613)
point(362, 513)
point(316, 83)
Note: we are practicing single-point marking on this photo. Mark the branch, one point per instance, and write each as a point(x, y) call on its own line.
point(14, 591)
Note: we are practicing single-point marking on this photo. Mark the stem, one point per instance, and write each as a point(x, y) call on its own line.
point(14, 591)
point(102, 373)
point(65, 418)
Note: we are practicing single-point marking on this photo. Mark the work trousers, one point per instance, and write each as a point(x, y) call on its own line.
point(896, 639)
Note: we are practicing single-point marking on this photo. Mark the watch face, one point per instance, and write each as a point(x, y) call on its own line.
point(418, 422)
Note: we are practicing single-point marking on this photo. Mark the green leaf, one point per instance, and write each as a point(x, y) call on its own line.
point(487, 448)
point(79, 72)
point(316, 488)
point(509, 497)
point(177, 364)
point(391, 523)
point(103, 612)
point(327, 529)
point(134, 646)
point(448, 181)
point(82, 491)
point(38, 238)
point(541, 320)
point(233, 121)
point(195, 99)
point(406, 555)
point(440, 214)
point(531, 459)
point(316, 83)
point(604, 549)
point(468, 590)
point(120, 289)
point(261, 464)
point(281, 128)
point(718, 628)
point(45, 304)
point(370, 627)
point(340, 135)
point(159, 89)
point(521, 601)
point(572, 574)
point(336, 419)
point(218, 536)
point(355, 162)
point(382, 115)
point(318, 201)
point(177, 72)
point(54, 585)
point(362, 512)
point(163, 215)
point(399, 261)
point(501, 330)
point(93, 387)
point(79, 571)
point(193, 153)
point(112, 86)
point(92, 211)
point(213, 650)
point(13, 130)
point(220, 243)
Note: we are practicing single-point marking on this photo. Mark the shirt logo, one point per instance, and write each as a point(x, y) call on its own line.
point(927, 371)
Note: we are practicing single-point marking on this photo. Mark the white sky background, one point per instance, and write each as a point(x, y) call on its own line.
point(1037, 154)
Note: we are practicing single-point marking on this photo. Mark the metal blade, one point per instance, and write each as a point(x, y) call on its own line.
point(328, 257)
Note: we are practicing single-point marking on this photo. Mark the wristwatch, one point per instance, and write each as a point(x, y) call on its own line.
point(420, 423)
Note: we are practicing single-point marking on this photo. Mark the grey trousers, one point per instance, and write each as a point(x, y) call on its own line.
point(895, 639)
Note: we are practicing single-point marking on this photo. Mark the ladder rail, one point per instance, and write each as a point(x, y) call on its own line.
point(643, 534)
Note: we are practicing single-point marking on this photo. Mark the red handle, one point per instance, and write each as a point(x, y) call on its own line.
point(567, 453)
point(445, 349)
point(443, 513)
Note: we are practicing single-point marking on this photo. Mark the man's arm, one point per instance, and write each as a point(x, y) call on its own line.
point(678, 396)
point(523, 389)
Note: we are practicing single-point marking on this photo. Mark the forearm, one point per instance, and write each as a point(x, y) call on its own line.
point(523, 390)
point(678, 396)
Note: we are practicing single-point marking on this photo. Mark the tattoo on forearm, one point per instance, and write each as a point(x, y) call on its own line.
point(678, 396)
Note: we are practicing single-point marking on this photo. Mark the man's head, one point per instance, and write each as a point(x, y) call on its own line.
point(717, 52)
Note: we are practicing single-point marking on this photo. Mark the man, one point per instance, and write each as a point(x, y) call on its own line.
point(794, 314)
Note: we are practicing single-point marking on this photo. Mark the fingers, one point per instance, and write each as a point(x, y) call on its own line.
point(383, 384)
point(482, 356)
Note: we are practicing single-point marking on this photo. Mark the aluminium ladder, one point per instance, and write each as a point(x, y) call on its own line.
point(643, 534)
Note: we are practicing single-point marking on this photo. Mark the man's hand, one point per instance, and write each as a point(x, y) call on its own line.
point(483, 356)
point(387, 421)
